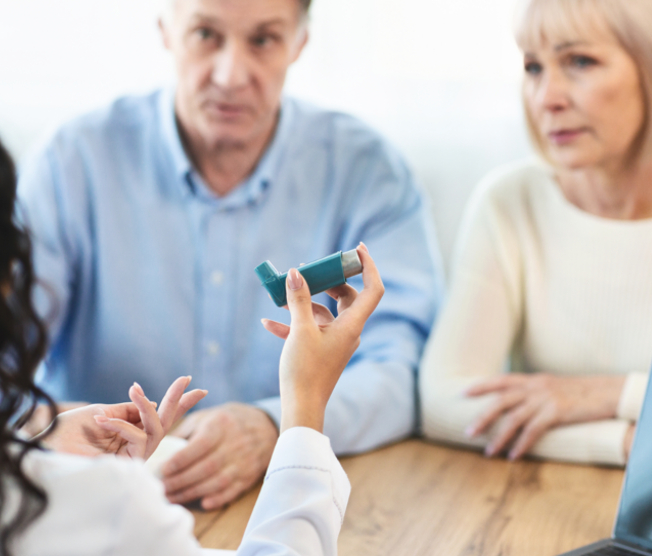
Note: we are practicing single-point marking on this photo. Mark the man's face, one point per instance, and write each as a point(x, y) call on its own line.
point(232, 57)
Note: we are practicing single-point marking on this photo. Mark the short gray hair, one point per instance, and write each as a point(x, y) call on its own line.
point(167, 7)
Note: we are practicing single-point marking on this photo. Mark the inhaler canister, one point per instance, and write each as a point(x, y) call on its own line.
point(321, 275)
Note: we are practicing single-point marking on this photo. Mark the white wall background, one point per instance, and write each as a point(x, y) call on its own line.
point(440, 78)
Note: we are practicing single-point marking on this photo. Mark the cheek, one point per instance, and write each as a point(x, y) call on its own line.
point(193, 71)
point(618, 112)
point(271, 78)
point(533, 108)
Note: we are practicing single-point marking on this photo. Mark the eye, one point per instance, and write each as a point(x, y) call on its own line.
point(582, 62)
point(204, 33)
point(264, 40)
point(533, 68)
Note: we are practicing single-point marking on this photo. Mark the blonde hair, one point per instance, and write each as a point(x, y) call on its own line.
point(630, 21)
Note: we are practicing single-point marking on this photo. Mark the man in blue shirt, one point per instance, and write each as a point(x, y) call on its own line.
point(150, 216)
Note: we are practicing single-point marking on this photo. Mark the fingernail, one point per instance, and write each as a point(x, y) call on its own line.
point(189, 378)
point(511, 456)
point(295, 279)
point(489, 451)
point(364, 247)
point(101, 419)
point(264, 321)
point(139, 389)
point(469, 432)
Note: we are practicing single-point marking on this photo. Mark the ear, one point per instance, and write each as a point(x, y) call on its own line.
point(302, 41)
point(165, 33)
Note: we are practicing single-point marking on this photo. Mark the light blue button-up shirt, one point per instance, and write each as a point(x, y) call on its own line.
point(149, 275)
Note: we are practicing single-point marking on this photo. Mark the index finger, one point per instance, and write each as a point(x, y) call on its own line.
point(126, 411)
point(168, 408)
point(493, 384)
point(369, 298)
point(345, 295)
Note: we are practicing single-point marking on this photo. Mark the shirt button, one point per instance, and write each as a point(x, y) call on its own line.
point(217, 278)
point(213, 348)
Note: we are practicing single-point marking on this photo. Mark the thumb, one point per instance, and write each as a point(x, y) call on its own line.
point(299, 300)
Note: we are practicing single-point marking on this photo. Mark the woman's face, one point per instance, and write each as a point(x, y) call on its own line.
point(585, 99)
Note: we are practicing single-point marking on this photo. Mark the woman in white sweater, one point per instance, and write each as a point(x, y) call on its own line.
point(545, 343)
point(60, 504)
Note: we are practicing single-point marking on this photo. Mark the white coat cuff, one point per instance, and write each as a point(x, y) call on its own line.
point(305, 448)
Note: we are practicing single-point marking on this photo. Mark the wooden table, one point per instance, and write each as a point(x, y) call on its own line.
point(414, 499)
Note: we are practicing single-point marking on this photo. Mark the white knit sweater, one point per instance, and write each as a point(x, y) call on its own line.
point(562, 291)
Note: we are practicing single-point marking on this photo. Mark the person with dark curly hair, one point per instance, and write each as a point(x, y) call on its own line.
point(54, 501)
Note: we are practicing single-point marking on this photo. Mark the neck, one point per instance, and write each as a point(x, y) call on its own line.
point(622, 194)
point(225, 164)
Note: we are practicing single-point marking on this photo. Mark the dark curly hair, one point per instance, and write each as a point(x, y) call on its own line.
point(22, 346)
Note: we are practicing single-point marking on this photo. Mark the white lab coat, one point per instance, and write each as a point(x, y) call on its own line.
point(112, 506)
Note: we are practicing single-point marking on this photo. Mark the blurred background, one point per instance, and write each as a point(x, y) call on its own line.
point(439, 78)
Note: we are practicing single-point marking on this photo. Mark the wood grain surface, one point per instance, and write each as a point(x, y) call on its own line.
point(414, 499)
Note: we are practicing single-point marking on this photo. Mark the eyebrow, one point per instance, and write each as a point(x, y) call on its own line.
point(570, 44)
point(198, 16)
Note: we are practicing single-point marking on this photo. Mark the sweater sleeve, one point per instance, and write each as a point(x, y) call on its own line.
point(631, 399)
point(476, 328)
point(472, 341)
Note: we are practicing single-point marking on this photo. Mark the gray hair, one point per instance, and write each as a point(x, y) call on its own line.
point(167, 8)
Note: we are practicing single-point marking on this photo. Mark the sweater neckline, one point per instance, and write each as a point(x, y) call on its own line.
point(575, 212)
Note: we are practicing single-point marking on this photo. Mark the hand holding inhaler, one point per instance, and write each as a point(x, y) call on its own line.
point(318, 346)
point(321, 275)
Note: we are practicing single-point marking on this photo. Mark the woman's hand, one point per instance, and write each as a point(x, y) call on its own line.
point(132, 429)
point(319, 346)
point(529, 405)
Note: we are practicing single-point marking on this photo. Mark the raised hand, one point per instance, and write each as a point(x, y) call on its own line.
point(132, 429)
point(319, 346)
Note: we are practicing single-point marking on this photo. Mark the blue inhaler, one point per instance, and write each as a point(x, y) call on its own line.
point(320, 275)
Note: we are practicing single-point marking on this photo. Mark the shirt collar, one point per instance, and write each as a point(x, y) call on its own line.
point(252, 188)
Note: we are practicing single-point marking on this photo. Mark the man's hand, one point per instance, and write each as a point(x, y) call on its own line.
point(529, 405)
point(132, 429)
point(228, 452)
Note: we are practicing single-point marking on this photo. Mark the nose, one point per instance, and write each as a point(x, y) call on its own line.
point(230, 67)
point(552, 94)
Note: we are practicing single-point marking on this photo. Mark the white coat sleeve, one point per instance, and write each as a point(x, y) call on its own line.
point(301, 506)
point(299, 511)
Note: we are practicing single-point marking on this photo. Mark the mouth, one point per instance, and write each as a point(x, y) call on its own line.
point(565, 136)
point(226, 110)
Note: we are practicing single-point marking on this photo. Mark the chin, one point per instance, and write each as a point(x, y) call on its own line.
point(226, 136)
point(572, 159)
